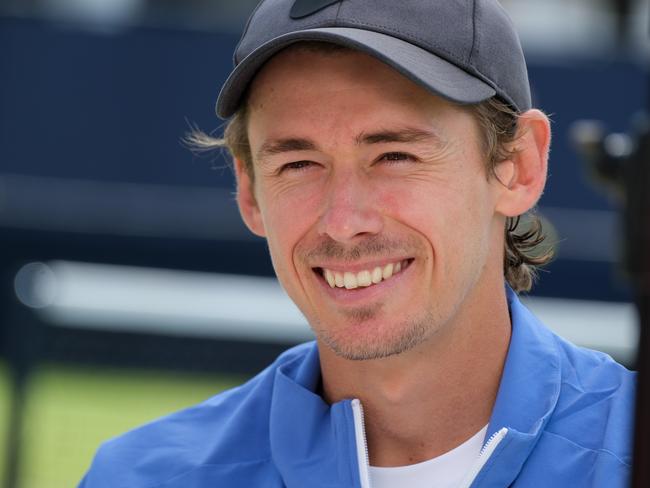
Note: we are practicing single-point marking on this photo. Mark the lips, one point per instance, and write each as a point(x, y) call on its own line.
point(363, 278)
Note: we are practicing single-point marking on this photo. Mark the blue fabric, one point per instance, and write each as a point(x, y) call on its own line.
point(568, 412)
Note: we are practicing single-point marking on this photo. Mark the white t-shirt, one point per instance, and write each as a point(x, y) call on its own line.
point(445, 471)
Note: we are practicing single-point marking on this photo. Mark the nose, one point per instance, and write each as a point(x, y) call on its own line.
point(351, 209)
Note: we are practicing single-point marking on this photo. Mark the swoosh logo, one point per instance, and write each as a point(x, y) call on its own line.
point(304, 8)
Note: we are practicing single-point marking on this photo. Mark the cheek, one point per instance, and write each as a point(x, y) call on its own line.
point(287, 218)
point(432, 210)
point(454, 219)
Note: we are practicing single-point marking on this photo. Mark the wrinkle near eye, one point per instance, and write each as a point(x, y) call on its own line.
point(443, 153)
point(279, 180)
point(277, 189)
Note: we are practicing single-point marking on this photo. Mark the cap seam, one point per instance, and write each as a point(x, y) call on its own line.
point(474, 33)
point(241, 39)
point(477, 45)
point(338, 11)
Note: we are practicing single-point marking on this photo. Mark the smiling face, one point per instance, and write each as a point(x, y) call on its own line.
point(374, 199)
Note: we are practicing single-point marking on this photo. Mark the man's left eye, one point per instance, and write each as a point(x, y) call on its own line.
point(396, 156)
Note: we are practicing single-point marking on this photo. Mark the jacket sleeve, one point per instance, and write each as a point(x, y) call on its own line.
point(93, 478)
point(83, 484)
point(104, 472)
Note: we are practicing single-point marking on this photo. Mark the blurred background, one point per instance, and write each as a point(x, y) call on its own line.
point(129, 288)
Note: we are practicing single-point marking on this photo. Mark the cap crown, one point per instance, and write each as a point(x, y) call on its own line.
point(475, 35)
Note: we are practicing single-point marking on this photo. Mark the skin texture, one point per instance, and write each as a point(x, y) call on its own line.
point(354, 167)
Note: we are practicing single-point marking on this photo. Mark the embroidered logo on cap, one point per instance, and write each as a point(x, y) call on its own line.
point(303, 8)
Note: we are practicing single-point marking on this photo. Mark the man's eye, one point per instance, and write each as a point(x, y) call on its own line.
point(396, 156)
point(295, 166)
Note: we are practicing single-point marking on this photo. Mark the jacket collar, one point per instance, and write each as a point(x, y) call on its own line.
point(312, 443)
point(527, 396)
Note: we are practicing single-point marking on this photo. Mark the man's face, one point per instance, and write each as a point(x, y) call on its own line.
point(359, 173)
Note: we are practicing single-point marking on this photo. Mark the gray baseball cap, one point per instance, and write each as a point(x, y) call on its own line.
point(463, 50)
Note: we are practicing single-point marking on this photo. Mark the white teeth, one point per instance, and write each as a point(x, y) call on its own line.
point(329, 276)
point(338, 280)
point(376, 275)
point(349, 280)
point(363, 278)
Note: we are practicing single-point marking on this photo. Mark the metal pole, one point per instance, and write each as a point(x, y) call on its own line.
point(638, 234)
point(15, 434)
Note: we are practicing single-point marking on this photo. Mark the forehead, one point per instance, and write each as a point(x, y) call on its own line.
point(316, 65)
point(336, 87)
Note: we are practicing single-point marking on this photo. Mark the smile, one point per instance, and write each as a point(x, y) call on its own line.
point(363, 278)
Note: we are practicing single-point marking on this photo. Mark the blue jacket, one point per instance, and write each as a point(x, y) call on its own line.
point(562, 418)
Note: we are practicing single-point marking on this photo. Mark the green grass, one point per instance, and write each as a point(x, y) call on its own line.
point(69, 412)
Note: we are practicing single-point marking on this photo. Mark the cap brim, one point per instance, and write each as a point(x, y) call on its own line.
point(422, 67)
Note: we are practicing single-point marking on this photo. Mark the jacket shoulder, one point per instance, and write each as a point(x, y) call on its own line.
point(225, 438)
point(595, 408)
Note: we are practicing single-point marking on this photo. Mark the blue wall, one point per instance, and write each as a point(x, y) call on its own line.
point(112, 106)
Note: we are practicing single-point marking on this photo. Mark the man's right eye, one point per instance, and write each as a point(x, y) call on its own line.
point(295, 166)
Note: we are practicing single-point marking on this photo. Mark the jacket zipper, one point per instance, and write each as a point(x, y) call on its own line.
point(362, 443)
point(364, 462)
point(483, 457)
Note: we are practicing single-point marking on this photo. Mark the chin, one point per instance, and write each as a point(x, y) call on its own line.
point(365, 340)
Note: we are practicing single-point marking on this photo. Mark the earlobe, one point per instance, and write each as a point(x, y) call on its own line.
point(246, 201)
point(523, 175)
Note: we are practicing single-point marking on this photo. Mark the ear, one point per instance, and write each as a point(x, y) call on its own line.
point(522, 177)
point(246, 201)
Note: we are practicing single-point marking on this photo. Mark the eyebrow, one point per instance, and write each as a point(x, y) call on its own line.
point(404, 135)
point(279, 146)
point(407, 134)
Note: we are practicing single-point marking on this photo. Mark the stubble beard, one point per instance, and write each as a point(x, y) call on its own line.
point(390, 341)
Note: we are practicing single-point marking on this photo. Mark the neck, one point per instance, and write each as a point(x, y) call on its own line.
point(424, 402)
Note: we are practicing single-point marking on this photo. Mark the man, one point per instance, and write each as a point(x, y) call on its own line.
point(385, 150)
